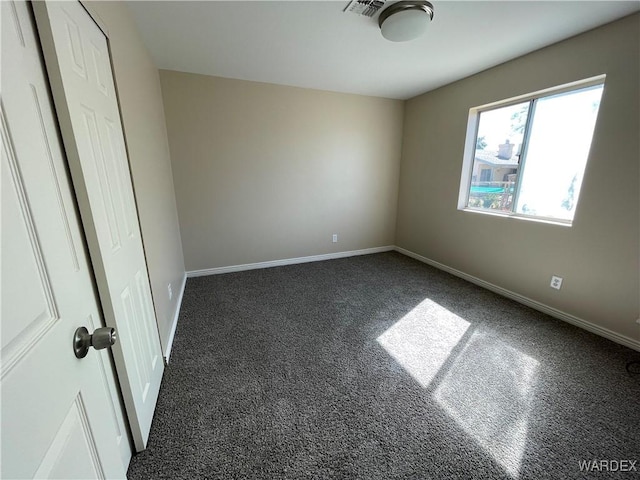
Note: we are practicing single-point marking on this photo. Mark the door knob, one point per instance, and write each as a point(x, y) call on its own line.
point(101, 338)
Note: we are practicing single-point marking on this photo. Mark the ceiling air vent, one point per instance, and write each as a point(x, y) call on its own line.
point(368, 8)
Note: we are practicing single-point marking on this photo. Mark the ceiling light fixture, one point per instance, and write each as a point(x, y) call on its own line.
point(405, 20)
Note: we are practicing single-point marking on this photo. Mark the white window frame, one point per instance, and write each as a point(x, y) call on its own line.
point(470, 147)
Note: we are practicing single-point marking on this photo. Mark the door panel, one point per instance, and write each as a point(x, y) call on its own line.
point(52, 403)
point(32, 285)
point(78, 62)
point(74, 440)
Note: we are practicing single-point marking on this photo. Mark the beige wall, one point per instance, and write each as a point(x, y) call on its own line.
point(265, 172)
point(143, 119)
point(599, 255)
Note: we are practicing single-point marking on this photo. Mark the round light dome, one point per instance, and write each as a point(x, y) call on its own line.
point(406, 20)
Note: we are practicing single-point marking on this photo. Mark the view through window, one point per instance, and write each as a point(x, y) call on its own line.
point(529, 157)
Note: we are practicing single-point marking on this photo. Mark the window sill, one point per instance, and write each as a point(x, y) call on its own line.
point(516, 216)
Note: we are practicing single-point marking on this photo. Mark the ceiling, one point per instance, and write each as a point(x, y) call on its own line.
point(314, 44)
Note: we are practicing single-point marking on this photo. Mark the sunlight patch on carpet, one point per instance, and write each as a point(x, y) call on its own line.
point(423, 339)
point(489, 392)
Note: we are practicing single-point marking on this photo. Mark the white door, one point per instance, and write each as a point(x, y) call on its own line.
point(61, 416)
point(77, 56)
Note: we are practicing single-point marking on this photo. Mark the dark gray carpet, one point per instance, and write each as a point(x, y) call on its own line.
point(380, 367)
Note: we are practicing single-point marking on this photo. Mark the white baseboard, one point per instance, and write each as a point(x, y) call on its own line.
point(559, 314)
point(287, 261)
point(174, 325)
point(554, 312)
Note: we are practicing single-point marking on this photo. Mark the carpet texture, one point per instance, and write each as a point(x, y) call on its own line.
point(381, 367)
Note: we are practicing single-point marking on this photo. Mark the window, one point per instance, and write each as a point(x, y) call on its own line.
point(485, 175)
point(526, 157)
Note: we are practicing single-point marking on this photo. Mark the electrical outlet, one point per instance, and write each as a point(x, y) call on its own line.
point(335, 238)
point(556, 282)
point(170, 291)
